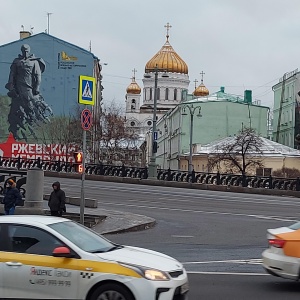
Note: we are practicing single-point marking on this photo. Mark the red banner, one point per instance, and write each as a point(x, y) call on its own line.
point(12, 148)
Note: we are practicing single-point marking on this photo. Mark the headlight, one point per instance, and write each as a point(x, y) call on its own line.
point(155, 275)
point(150, 274)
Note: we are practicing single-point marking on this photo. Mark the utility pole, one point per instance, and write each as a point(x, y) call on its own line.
point(48, 17)
point(280, 107)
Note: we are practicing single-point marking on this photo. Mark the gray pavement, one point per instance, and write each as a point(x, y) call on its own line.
point(113, 221)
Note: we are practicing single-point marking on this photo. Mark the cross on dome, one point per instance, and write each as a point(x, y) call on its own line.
point(134, 71)
point(202, 73)
point(168, 26)
point(195, 83)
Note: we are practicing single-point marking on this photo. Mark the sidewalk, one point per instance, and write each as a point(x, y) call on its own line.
point(113, 221)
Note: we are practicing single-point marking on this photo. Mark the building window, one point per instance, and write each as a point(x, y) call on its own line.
point(133, 101)
point(167, 94)
point(175, 94)
point(149, 123)
point(150, 97)
point(132, 123)
point(263, 172)
point(158, 93)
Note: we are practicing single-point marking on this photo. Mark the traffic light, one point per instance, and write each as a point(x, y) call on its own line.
point(78, 162)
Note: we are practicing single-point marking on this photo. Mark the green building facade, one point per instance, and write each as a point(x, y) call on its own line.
point(222, 115)
point(286, 121)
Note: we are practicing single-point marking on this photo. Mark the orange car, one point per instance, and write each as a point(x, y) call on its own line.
point(282, 258)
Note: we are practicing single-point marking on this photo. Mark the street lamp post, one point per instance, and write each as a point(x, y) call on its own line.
point(152, 167)
point(192, 110)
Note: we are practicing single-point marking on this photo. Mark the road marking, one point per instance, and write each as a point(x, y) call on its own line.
point(213, 195)
point(201, 211)
point(183, 236)
point(251, 261)
point(229, 273)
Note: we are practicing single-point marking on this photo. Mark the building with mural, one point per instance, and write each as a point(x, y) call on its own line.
point(39, 79)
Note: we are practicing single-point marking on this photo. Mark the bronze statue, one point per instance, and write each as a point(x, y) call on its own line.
point(27, 104)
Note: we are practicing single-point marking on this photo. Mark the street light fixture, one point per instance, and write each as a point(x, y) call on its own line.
point(192, 111)
point(152, 167)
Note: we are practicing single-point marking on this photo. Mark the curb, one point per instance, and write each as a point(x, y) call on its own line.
point(133, 228)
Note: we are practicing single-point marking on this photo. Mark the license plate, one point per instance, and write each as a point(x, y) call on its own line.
point(184, 288)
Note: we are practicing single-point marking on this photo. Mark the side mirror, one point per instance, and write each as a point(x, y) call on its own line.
point(62, 252)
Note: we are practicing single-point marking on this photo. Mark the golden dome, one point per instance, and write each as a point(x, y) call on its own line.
point(201, 91)
point(133, 87)
point(167, 60)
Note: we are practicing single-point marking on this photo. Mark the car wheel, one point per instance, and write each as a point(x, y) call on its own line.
point(111, 292)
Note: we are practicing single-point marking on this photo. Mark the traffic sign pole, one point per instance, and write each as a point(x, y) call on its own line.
point(82, 199)
point(86, 96)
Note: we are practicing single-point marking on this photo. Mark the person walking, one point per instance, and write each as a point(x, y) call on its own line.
point(57, 200)
point(11, 197)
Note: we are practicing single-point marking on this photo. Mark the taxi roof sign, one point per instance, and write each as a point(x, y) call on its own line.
point(87, 90)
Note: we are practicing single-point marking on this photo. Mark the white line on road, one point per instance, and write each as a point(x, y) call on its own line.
point(183, 236)
point(200, 211)
point(228, 273)
point(251, 261)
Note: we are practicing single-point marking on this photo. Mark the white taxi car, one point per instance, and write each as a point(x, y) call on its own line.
point(55, 258)
point(282, 258)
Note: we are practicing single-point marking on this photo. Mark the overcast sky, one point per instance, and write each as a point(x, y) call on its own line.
point(239, 44)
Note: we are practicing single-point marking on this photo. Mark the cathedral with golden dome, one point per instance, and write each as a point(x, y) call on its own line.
point(166, 74)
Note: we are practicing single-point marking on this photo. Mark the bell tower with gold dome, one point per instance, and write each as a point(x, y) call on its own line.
point(201, 90)
point(133, 96)
point(172, 84)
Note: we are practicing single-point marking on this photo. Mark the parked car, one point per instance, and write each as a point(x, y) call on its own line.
point(282, 258)
point(55, 258)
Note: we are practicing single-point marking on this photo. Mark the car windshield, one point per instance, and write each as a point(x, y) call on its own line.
point(295, 226)
point(83, 237)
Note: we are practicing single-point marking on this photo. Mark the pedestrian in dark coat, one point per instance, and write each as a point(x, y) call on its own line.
point(11, 197)
point(57, 200)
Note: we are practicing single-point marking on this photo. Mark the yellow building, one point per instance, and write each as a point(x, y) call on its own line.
point(274, 156)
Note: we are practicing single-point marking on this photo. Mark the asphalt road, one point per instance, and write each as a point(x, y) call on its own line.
point(218, 236)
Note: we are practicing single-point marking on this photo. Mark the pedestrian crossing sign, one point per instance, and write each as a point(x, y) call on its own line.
point(87, 90)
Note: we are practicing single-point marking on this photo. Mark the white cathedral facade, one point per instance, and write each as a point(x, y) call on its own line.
point(172, 87)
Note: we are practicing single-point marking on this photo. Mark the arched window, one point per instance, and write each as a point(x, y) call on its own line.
point(167, 94)
point(175, 94)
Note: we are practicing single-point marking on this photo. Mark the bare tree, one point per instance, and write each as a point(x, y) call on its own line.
point(64, 131)
point(118, 144)
point(243, 155)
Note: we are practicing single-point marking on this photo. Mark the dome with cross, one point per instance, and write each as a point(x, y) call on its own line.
point(166, 59)
point(133, 87)
point(201, 90)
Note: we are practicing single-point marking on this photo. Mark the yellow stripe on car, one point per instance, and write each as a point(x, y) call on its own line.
point(68, 263)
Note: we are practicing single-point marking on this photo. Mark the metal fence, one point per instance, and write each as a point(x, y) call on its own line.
point(162, 174)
